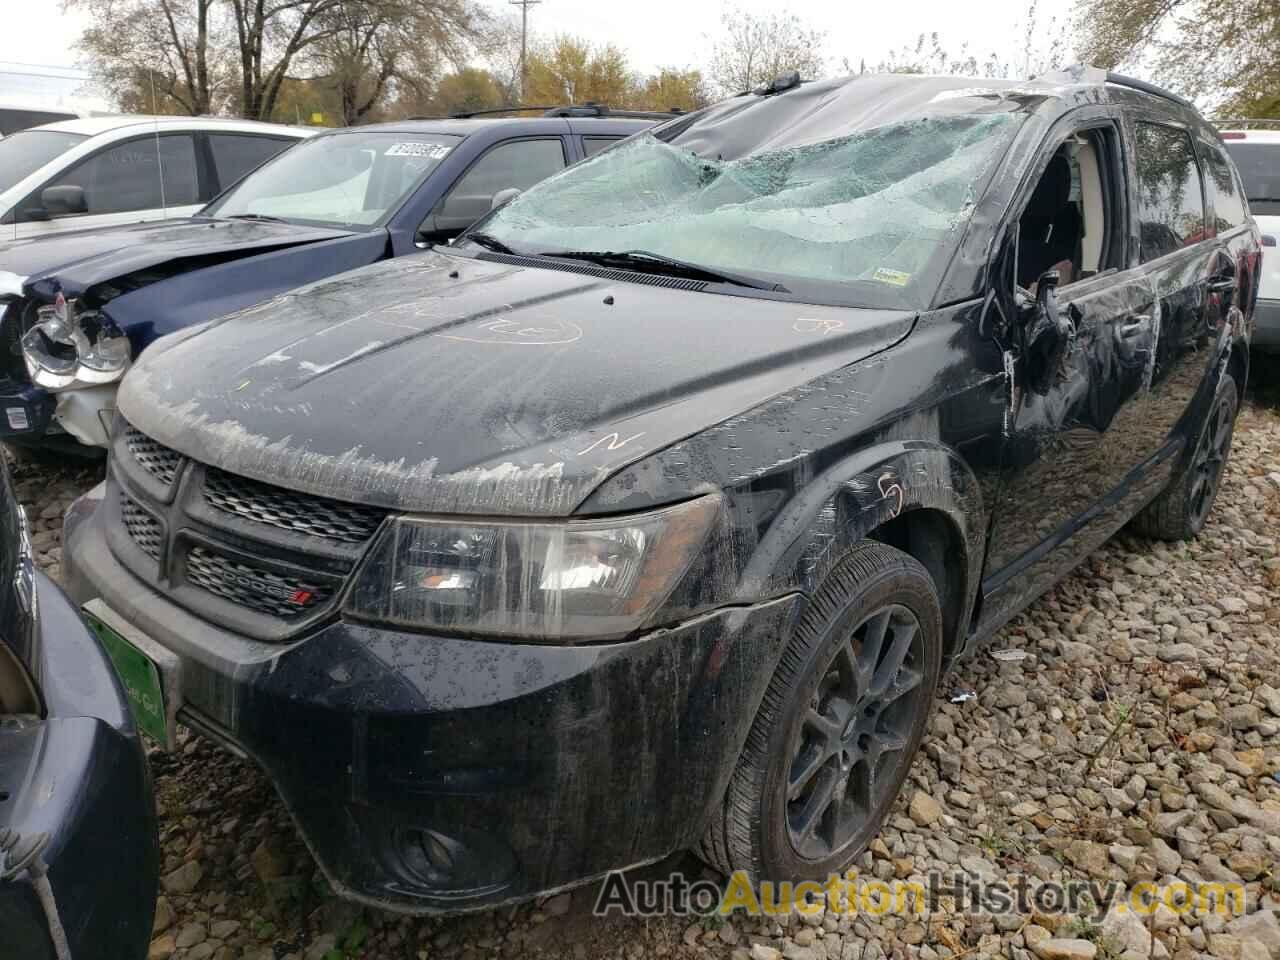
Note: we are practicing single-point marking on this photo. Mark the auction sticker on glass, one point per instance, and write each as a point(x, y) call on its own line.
point(148, 672)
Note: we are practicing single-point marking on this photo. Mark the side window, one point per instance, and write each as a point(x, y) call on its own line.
point(126, 177)
point(593, 145)
point(1223, 187)
point(1170, 202)
point(1069, 222)
point(519, 164)
point(234, 155)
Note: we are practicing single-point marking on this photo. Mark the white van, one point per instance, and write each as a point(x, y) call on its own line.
point(105, 171)
point(1256, 153)
point(15, 117)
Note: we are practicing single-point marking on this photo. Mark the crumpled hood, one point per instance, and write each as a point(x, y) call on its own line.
point(79, 260)
point(440, 383)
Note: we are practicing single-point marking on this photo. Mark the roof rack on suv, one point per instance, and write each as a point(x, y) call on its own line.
point(1120, 80)
point(588, 109)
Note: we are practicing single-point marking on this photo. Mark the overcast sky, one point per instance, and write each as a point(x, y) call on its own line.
point(654, 33)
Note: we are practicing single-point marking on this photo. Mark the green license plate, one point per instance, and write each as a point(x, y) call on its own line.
point(140, 677)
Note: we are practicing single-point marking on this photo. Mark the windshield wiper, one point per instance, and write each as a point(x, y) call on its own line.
point(488, 241)
point(256, 216)
point(660, 263)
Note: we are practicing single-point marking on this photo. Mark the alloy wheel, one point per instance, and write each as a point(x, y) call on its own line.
point(1210, 459)
point(854, 734)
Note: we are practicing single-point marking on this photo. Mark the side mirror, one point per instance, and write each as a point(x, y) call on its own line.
point(502, 196)
point(1046, 334)
point(63, 201)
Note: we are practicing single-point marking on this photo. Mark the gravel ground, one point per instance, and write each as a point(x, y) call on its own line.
point(1126, 727)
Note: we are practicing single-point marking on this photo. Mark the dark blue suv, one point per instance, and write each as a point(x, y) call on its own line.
point(79, 308)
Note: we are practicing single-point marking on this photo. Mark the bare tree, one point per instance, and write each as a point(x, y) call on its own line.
point(500, 48)
point(752, 50)
point(370, 44)
point(148, 51)
point(269, 35)
point(1227, 51)
point(1043, 49)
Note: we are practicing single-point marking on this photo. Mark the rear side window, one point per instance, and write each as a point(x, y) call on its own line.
point(1259, 167)
point(593, 145)
point(234, 155)
point(1170, 200)
point(1223, 187)
point(126, 177)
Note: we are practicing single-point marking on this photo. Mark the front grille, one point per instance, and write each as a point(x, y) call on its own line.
point(287, 510)
point(142, 527)
point(157, 459)
point(254, 587)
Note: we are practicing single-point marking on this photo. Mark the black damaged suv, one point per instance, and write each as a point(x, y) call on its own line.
point(647, 514)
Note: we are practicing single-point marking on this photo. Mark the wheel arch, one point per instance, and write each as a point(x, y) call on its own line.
point(917, 496)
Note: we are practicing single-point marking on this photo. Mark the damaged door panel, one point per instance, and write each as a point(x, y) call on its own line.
point(647, 514)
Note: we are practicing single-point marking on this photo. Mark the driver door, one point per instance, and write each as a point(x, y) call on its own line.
point(146, 178)
point(1075, 423)
point(515, 164)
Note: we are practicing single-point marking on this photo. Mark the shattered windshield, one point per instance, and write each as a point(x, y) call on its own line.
point(346, 180)
point(867, 218)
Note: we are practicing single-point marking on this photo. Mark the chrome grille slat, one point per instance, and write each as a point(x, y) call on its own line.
point(287, 510)
point(157, 459)
point(142, 527)
point(252, 586)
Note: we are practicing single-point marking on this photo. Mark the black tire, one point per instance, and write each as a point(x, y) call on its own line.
point(810, 705)
point(1180, 511)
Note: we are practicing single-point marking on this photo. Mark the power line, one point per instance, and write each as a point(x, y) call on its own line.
point(524, 6)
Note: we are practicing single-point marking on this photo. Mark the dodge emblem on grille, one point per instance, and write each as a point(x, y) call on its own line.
point(298, 596)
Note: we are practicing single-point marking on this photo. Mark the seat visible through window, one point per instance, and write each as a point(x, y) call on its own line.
point(1052, 226)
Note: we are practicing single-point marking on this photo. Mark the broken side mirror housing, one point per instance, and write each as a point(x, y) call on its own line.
point(1046, 334)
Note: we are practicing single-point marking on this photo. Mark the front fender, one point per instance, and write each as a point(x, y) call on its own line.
point(861, 493)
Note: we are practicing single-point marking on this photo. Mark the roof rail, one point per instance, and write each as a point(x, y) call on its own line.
point(588, 109)
point(1246, 123)
point(1120, 80)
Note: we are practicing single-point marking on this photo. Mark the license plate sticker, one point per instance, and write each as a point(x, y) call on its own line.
point(140, 678)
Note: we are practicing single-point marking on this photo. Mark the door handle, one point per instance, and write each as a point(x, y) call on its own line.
point(1222, 283)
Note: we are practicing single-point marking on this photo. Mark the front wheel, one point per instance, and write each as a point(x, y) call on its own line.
point(1180, 512)
point(840, 721)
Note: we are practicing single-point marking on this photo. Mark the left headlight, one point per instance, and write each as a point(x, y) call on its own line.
point(541, 581)
point(68, 348)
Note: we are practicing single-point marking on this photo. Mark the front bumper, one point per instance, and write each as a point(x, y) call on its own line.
point(31, 415)
point(79, 776)
point(1266, 333)
point(438, 774)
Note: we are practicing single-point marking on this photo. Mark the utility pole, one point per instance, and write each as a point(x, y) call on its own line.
point(524, 6)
